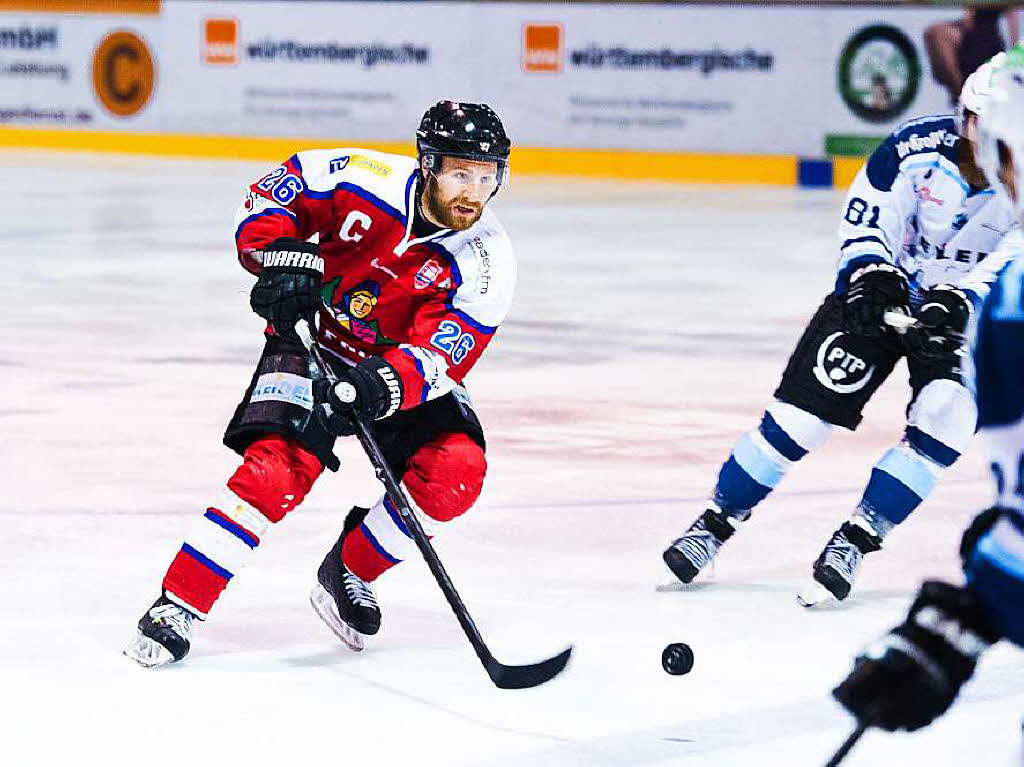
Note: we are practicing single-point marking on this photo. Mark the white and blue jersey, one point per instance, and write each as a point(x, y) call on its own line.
point(995, 568)
point(910, 206)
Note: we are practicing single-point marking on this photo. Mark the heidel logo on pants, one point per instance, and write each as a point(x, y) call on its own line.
point(840, 370)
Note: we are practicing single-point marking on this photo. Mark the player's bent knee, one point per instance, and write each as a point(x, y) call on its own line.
point(941, 421)
point(275, 476)
point(446, 475)
point(805, 429)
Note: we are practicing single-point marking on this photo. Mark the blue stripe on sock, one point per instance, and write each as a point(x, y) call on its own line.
point(206, 561)
point(390, 509)
point(928, 446)
point(236, 530)
point(759, 466)
point(736, 489)
point(376, 544)
point(776, 437)
point(888, 497)
point(908, 469)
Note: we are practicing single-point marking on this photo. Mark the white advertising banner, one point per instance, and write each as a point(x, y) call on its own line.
point(686, 78)
point(79, 71)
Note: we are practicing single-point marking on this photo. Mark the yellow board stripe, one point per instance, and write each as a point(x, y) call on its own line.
point(624, 164)
point(844, 170)
point(140, 7)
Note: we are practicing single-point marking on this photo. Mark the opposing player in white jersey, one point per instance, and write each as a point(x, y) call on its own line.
point(919, 220)
point(410, 278)
point(914, 673)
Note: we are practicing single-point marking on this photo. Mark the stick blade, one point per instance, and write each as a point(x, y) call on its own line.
point(521, 677)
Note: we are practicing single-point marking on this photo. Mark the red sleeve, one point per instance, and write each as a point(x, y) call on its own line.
point(277, 205)
point(443, 346)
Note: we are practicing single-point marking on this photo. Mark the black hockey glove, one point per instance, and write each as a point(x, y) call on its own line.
point(371, 389)
point(941, 322)
point(288, 288)
point(873, 289)
point(912, 674)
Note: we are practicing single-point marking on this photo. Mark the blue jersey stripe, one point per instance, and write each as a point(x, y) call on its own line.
point(362, 193)
point(267, 212)
point(866, 238)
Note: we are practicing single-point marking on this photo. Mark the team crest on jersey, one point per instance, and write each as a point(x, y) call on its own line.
point(352, 310)
point(840, 370)
point(429, 272)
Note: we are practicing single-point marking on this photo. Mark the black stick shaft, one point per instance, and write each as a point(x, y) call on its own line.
point(404, 509)
point(419, 536)
point(849, 743)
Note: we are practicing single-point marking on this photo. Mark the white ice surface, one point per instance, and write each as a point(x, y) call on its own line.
point(650, 326)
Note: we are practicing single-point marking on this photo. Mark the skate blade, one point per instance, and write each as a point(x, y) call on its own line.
point(324, 605)
point(816, 595)
point(146, 652)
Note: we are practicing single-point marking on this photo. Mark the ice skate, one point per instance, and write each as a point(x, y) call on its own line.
point(164, 635)
point(691, 553)
point(345, 602)
point(835, 569)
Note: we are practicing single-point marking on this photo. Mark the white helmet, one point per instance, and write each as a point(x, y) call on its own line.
point(977, 88)
point(1001, 127)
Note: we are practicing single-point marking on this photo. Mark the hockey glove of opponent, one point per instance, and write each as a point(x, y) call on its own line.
point(371, 389)
point(873, 289)
point(288, 288)
point(941, 322)
point(912, 674)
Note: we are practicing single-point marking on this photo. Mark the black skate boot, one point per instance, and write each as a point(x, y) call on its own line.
point(344, 601)
point(164, 635)
point(688, 555)
point(836, 567)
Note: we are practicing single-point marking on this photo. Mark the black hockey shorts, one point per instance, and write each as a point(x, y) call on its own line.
point(832, 374)
point(279, 400)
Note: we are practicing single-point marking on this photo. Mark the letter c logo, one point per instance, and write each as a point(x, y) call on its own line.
point(348, 231)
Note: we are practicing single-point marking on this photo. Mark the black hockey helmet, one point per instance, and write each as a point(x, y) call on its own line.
point(456, 129)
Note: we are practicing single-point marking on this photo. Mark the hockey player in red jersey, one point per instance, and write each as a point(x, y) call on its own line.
point(411, 276)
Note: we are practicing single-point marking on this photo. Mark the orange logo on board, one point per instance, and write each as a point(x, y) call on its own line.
point(220, 41)
point(123, 74)
point(542, 47)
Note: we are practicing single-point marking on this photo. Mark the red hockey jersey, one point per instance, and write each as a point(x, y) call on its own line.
point(429, 306)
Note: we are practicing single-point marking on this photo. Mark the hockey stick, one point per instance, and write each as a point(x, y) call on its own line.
point(838, 756)
point(504, 677)
point(899, 320)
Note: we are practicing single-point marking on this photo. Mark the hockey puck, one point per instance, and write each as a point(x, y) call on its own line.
point(677, 659)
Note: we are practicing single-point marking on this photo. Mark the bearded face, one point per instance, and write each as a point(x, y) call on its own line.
point(454, 195)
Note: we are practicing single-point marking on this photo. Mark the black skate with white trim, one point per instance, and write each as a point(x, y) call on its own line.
point(164, 635)
point(344, 601)
point(835, 569)
point(691, 553)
